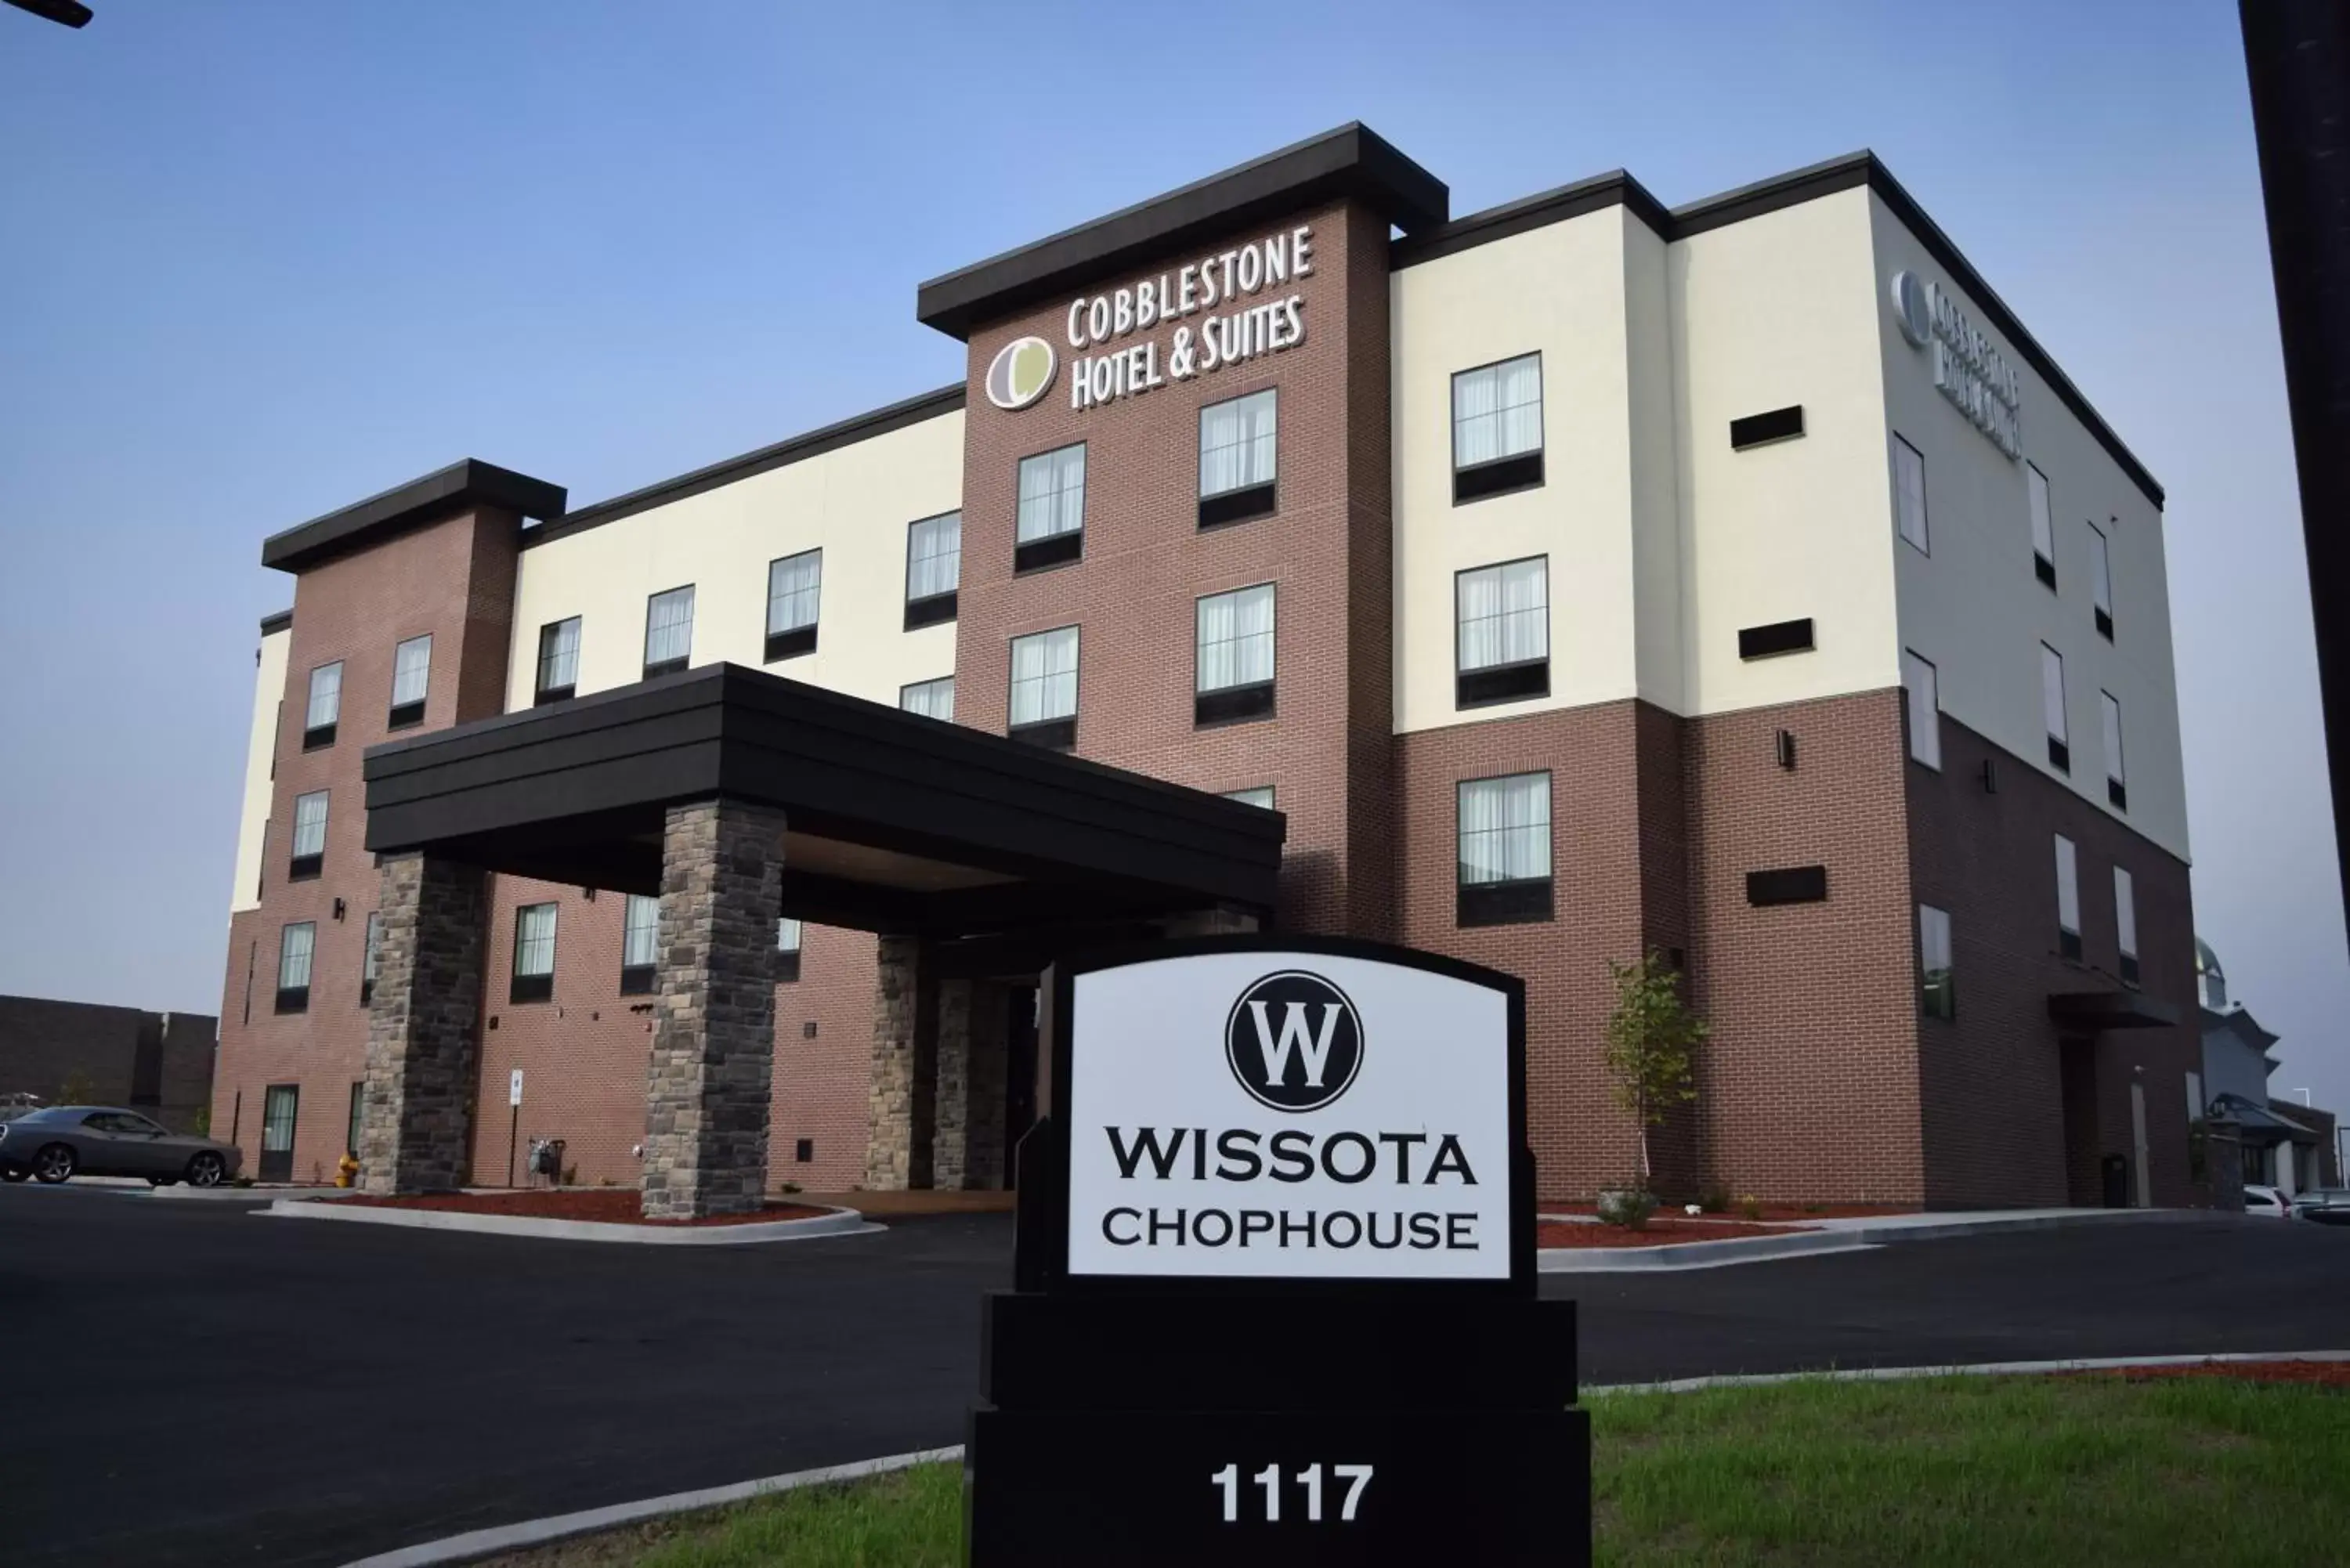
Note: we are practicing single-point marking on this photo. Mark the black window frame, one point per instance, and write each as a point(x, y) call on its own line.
point(947, 680)
point(670, 666)
point(934, 609)
point(2068, 938)
point(1056, 735)
point(308, 867)
point(370, 954)
point(795, 641)
point(1242, 704)
point(1925, 509)
point(292, 999)
point(359, 1108)
point(541, 693)
point(524, 989)
point(1519, 900)
point(640, 979)
point(409, 714)
point(787, 959)
point(2043, 568)
point(1489, 685)
point(318, 737)
point(1243, 503)
point(1937, 1001)
point(1054, 550)
point(2060, 747)
point(1499, 475)
point(2102, 615)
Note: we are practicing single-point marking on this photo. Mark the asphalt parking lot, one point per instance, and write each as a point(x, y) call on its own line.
point(188, 1382)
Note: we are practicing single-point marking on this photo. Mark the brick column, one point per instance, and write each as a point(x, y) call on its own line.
point(416, 1113)
point(898, 1147)
point(706, 1089)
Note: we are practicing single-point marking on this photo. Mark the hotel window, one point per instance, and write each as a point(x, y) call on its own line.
point(309, 836)
point(2043, 529)
point(931, 698)
point(1937, 996)
point(2125, 921)
point(2101, 582)
point(374, 956)
point(1044, 689)
point(787, 950)
point(326, 706)
point(2068, 898)
point(2195, 1106)
point(2109, 713)
point(1232, 657)
point(1504, 860)
point(1921, 709)
point(558, 661)
point(1502, 633)
point(1909, 493)
point(668, 631)
point(1261, 796)
point(295, 945)
point(412, 678)
point(351, 1133)
point(934, 568)
point(794, 588)
point(1052, 527)
point(640, 939)
point(1497, 429)
point(534, 963)
point(2051, 707)
point(1237, 450)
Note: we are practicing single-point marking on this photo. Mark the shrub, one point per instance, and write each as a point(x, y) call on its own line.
point(1749, 1207)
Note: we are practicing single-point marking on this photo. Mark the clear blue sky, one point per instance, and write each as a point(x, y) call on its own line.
point(259, 260)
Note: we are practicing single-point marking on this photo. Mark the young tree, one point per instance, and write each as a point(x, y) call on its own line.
point(1651, 1036)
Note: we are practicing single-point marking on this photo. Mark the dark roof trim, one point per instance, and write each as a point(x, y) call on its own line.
point(1350, 162)
point(273, 624)
point(1612, 189)
point(862, 427)
point(463, 484)
point(2095, 1011)
point(1757, 200)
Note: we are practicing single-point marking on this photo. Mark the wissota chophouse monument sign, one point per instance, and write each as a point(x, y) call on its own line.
point(1275, 1293)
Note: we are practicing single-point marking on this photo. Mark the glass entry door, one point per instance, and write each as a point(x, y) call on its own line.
point(277, 1131)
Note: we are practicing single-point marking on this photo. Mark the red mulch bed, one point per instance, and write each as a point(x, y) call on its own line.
point(1661, 1232)
point(611, 1205)
point(1775, 1212)
point(2317, 1374)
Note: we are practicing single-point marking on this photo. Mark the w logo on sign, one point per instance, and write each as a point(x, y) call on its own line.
point(1293, 1041)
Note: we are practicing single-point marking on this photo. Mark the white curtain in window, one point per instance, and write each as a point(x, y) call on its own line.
point(1933, 940)
point(668, 626)
point(1044, 676)
point(411, 670)
point(1503, 614)
point(1505, 828)
point(932, 699)
point(1497, 412)
point(641, 933)
point(2052, 691)
point(1052, 493)
point(325, 695)
point(534, 939)
point(558, 655)
point(2126, 910)
point(787, 935)
point(1910, 490)
point(293, 954)
point(794, 586)
point(2101, 572)
point(310, 823)
point(1260, 796)
point(1236, 638)
point(2043, 530)
point(2068, 886)
point(1237, 444)
point(934, 556)
point(1918, 686)
point(2111, 712)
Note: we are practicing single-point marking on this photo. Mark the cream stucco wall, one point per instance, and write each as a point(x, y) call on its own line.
point(260, 769)
point(854, 502)
point(1767, 312)
point(1972, 605)
point(1559, 289)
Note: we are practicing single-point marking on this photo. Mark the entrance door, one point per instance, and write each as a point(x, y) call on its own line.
point(1019, 1076)
point(2085, 1176)
point(277, 1131)
point(2143, 1196)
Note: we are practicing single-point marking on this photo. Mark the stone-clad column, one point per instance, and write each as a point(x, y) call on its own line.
point(897, 1146)
point(416, 1112)
point(706, 1092)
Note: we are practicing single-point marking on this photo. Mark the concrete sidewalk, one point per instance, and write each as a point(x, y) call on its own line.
point(1814, 1237)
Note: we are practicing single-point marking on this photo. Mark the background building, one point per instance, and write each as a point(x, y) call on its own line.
point(82, 1052)
point(1738, 581)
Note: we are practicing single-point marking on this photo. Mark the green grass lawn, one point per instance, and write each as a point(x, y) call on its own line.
point(2048, 1471)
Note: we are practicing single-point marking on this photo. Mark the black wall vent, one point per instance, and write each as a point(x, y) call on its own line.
point(1779, 637)
point(1789, 885)
point(1761, 430)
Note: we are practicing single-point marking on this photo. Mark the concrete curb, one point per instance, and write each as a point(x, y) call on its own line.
point(1850, 1238)
point(475, 1544)
point(839, 1223)
point(1964, 1369)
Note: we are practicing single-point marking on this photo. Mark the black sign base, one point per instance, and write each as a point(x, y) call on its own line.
point(1240, 1489)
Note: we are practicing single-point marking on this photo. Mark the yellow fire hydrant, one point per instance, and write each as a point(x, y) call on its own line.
point(346, 1171)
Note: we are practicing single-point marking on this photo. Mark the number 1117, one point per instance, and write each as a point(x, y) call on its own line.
point(1227, 1482)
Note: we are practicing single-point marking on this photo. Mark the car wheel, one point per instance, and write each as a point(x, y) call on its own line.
point(206, 1169)
point(53, 1164)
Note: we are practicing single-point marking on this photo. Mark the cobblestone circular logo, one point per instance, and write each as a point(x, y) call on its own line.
point(1293, 1041)
point(1021, 373)
point(1911, 309)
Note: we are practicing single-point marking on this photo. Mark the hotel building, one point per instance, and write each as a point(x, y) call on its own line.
point(1738, 581)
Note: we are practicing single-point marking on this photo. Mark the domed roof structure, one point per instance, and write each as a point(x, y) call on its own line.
point(2211, 980)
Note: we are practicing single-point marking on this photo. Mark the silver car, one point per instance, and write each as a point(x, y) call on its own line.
point(59, 1142)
